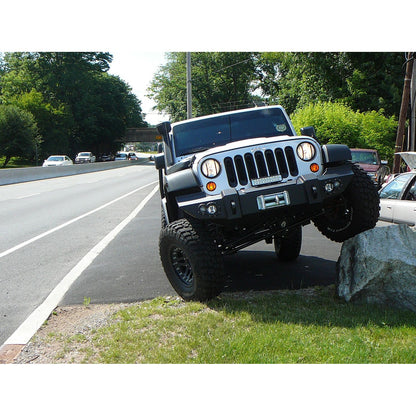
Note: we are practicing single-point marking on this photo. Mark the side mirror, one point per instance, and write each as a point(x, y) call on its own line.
point(160, 162)
point(160, 147)
point(308, 131)
point(164, 128)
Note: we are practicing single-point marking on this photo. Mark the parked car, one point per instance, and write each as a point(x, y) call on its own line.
point(85, 157)
point(369, 161)
point(57, 160)
point(107, 158)
point(121, 156)
point(398, 197)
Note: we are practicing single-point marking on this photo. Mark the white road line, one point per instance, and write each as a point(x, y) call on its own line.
point(28, 196)
point(28, 328)
point(59, 227)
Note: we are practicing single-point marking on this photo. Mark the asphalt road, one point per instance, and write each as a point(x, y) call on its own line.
point(74, 217)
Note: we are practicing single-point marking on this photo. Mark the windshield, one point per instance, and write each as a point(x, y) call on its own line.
point(84, 154)
point(368, 158)
point(199, 135)
point(55, 158)
point(394, 189)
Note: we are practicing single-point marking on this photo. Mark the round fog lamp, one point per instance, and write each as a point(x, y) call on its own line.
point(329, 187)
point(212, 209)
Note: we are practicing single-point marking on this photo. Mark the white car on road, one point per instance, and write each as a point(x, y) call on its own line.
point(57, 160)
point(398, 197)
point(85, 157)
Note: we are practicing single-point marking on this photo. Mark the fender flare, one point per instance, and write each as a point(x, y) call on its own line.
point(336, 153)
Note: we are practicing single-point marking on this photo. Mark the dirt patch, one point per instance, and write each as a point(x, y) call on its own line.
point(50, 344)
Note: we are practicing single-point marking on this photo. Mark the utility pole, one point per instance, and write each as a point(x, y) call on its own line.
point(412, 127)
point(188, 86)
point(403, 112)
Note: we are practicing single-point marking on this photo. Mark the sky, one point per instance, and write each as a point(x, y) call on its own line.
point(138, 33)
point(137, 70)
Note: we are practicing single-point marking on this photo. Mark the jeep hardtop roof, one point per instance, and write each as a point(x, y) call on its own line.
point(206, 132)
point(226, 113)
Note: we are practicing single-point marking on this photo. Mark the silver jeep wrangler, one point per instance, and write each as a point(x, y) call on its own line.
point(232, 179)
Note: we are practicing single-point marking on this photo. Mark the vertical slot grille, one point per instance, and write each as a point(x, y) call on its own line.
point(281, 162)
point(251, 167)
point(271, 162)
point(242, 168)
point(229, 168)
point(291, 160)
point(261, 164)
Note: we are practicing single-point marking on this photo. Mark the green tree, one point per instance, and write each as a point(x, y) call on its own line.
point(106, 111)
point(338, 123)
point(18, 133)
point(364, 81)
point(53, 122)
point(77, 104)
point(333, 123)
point(221, 81)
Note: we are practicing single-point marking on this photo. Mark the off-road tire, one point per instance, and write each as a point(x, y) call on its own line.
point(354, 211)
point(191, 260)
point(287, 247)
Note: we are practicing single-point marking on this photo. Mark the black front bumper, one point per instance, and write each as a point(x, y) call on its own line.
point(232, 204)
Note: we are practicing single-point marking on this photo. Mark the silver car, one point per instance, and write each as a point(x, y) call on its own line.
point(398, 197)
point(85, 157)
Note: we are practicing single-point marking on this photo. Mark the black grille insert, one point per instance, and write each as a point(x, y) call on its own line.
point(241, 170)
point(251, 167)
point(229, 168)
point(291, 160)
point(262, 164)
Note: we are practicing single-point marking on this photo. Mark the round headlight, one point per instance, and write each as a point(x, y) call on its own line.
point(211, 168)
point(306, 151)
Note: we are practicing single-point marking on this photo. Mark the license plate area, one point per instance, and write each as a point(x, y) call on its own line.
point(272, 201)
point(266, 181)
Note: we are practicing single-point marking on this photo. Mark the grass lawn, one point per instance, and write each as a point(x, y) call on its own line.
point(304, 326)
point(17, 162)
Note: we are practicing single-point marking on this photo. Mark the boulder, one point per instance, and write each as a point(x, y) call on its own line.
point(379, 266)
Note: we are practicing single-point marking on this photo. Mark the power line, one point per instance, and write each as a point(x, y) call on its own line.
point(229, 66)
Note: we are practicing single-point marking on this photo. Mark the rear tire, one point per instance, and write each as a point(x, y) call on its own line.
point(288, 247)
point(354, 211)
point(191, 260)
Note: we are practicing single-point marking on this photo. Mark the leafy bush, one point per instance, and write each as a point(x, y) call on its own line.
point(18, 132)
point(338, 123)
point(379, 132)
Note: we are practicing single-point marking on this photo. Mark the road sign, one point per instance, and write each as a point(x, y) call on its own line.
point(144, 134)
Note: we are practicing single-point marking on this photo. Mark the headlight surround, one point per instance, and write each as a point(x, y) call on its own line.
point(306, 151)
point(210, 168)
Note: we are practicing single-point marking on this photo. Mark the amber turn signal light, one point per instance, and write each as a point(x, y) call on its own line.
point(211, 186)
point(314, 167)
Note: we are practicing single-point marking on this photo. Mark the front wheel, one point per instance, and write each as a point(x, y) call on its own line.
point(191, 260)
point(351, 213)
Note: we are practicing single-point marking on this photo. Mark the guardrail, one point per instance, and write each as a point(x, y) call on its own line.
point(17, 175)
